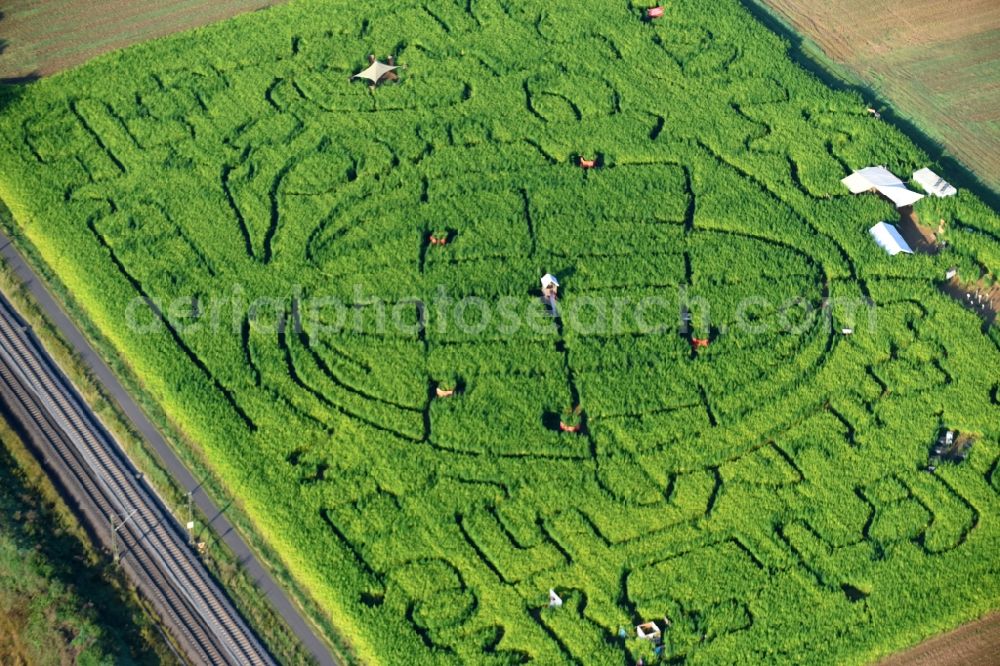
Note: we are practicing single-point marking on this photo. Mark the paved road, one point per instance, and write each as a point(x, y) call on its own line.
point(182, 476)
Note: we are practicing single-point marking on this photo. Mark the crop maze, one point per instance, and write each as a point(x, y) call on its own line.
point(776, 472)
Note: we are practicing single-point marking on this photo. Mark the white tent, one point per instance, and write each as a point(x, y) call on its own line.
point(933, 183)
point(888, 237)
point(881, 179)
point(375, 71)
point(549, 280)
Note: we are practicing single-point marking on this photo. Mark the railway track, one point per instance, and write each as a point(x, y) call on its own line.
point(111, 494)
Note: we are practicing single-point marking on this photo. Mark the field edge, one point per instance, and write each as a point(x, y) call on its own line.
point(806, 53)
point(221, 562)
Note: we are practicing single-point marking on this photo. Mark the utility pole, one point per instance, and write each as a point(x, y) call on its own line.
point(114, 532)
point(190, 520)
point(114, 538)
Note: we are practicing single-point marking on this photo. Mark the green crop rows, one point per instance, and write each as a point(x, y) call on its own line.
point(765, 493)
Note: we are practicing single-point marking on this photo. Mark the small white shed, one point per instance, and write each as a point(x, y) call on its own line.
point(887, 236)
point(648, 631)
point(933, 183)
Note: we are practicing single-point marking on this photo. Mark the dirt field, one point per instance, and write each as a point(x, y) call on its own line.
point(918, 236)
point(41, 38)
point(973, 644)
point(981, 298)
point(936, 61)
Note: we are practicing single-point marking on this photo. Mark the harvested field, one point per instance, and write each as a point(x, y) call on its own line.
point(973, 644)
point(42, 38)
point(937, 62)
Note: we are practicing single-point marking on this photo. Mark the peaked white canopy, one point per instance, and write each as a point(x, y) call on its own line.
point(888, 237)
point(933, 183)
point(549, 280)
point(375, 71)
point(882, 180)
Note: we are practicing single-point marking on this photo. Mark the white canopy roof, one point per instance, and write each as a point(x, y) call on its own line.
point(881, 179)
point(888, 237)
point(549, 280)
point(375, 71)
point(933, 183)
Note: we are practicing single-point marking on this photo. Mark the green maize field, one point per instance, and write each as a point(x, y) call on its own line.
point(252, 233)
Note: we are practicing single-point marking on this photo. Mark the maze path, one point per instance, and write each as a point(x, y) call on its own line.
point(446, 520)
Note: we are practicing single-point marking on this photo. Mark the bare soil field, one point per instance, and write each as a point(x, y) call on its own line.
point(973, 644)
point(918, 236)
point(936, 61)
point(42, 38)
point(983, 299)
